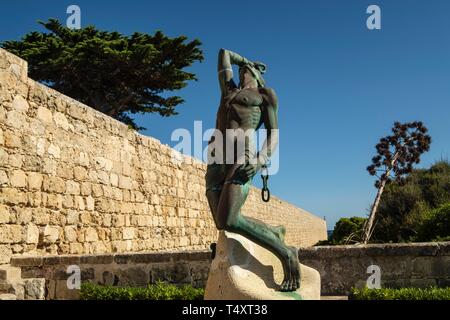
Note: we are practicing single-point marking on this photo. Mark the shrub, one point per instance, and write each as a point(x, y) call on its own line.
point(436, 227)
point(158, 291)
point(431, 293)
point(405, 206)
point(348, 230)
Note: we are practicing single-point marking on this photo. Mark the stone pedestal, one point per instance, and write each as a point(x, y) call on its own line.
point(243, 270)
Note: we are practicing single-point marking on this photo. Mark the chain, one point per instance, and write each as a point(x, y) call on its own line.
point(265, 192)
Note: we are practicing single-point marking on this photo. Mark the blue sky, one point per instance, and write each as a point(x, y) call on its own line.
point(340, 85)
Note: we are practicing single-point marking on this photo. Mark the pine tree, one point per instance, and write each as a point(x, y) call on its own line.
point(111, 72)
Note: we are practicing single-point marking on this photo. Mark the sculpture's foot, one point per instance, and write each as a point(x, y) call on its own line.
point(279, 231)
point(291, 267)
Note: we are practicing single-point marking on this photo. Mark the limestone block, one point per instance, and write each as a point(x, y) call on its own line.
point(41, 216)
point(86, 188)
point(118, 220)
point(54, 151)
point(90, 203)
point(15, 160)
point(61, 120)
point(34, 289)
point(76, 111)
point(85, 218)
point(70, 234)
point(3, 178)
point(16, 120)
point(36, 127)
point(40, 146)
point(76, 248)
point(128, 233)
point(126, 169)
point(53, 201)
point(91, 235)
point(32, 234)
point(10, 233)
point(5, 253)
point(54, 184)
point(45, 115)
point(80, 173)
point(107, 218)
point(18, 179)
point(103, 177)
point(11, 140)
point(107, 192)
point(35, 199)
point(20, 104)
point(114, 178)
point(83, 159)
point(243, 270)
point(79, 203)
point(23, 215)
point(68, 201)
point(4, 214)
point(72, 187)
point(97, 190)
point(34, 180)
point(3, 152)
point(117, 194)
point(51, 234)
point(125, 182)
point(103, 163)
point(73, 217)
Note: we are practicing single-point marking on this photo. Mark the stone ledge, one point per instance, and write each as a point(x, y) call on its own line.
point(118, 258)
point(391, 249)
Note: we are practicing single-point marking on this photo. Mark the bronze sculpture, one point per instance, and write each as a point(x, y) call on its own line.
point(246, 107)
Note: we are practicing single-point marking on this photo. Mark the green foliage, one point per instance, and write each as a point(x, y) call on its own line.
point(405, 207)
point(158, 291)
point(348, 230)
point(113, 73)
point(436, 226)
point(431, 293)
point(418, 209)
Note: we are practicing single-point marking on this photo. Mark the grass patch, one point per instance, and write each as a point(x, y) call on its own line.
point(432, 293)
point(158, 291)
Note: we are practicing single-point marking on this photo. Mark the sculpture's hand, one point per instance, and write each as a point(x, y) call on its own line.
point(261, 67)
point(247, 171)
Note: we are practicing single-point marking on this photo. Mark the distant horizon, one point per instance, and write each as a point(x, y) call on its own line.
point(340, 85)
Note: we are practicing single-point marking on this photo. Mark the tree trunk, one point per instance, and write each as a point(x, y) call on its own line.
point(367, 233)
point(368, 226)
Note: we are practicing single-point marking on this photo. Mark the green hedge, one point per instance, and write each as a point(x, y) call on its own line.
point(158, 291)
point(436, 226)
point(431, 293)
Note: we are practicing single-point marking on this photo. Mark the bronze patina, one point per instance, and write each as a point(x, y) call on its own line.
point(244, 107)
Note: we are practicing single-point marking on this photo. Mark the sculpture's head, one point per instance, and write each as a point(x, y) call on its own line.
point(253, 72)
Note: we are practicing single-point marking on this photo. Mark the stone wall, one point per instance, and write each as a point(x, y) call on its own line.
point(127, 269)
point(401, 265)
point(75, 181)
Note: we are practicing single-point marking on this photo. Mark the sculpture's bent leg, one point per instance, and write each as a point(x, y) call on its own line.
point(229, 218)
point(213, 197)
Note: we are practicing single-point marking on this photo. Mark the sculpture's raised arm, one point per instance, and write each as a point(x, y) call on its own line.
point(224, 69)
